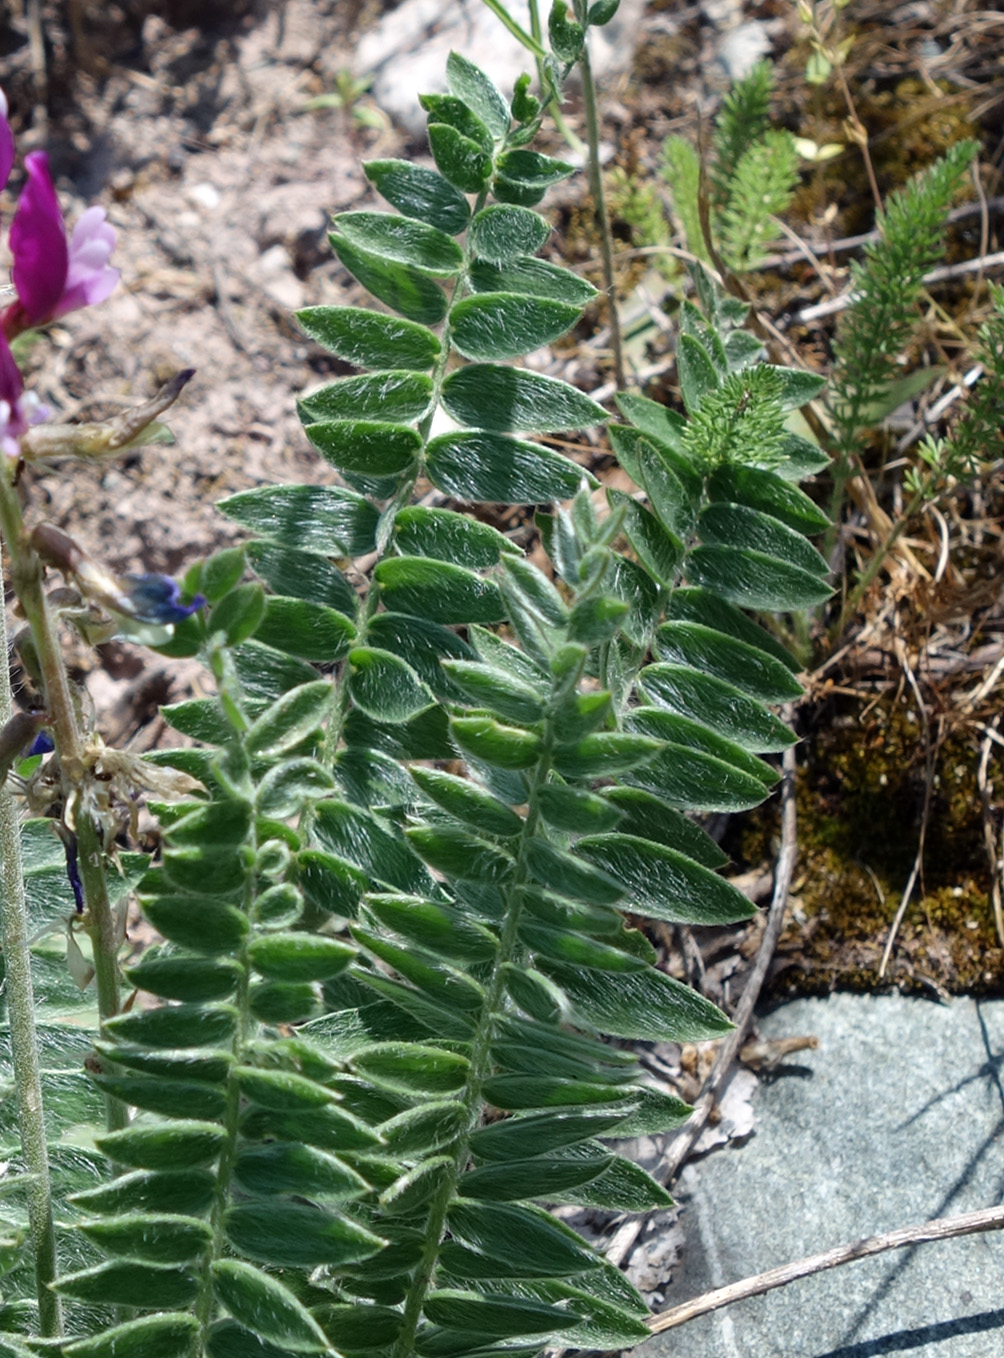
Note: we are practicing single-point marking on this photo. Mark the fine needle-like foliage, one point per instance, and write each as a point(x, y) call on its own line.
point(369, 1053)
point(752, 174)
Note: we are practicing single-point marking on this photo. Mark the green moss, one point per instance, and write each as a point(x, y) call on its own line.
point(860, 801)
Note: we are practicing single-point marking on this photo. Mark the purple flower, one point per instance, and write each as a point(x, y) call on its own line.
point(51, 274)
point(156, 599)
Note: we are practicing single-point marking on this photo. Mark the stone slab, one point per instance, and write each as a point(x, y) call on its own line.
point(897, 1118)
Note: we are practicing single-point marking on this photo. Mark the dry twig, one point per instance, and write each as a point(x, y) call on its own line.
point(943, 1228)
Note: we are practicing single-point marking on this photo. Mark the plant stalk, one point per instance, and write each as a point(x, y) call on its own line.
point(24, 1039)
point(61, 716)
point(602, 217)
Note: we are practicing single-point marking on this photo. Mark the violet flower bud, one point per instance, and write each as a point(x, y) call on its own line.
point(157, 599)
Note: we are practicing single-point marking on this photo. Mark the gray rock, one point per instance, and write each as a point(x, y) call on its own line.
point(897, 1118)
point(406, 51)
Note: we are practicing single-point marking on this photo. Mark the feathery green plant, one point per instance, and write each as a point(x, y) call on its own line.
point(887, 284)
point(752, 175)
point(368, 1054)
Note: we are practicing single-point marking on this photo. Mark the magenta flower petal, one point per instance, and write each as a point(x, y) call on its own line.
point(89, 278)
point(38, 243)
point(6, 143)
point(12, 421)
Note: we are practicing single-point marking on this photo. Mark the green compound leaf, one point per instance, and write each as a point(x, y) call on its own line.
point(663, 883)
point(323, 519)
point(435, 926)
point(238, 613)
point(722, 707)
point(532, 170)
point(404, 289)
point(448, 536)
point(469, 803)
point(266, 1306)
point(767, 492)
point(288, 1167)
point(287, 722)
point(304, 629)
point(182, 1144)
point(726, 657)
point(407, 1067)
point(533, 1134)
point(299, 956)
point(494, 1317)
point(506, 747)
point(369, 447)
point(397, 395)
point(370, 340)
point(756, 580)
point(730, 525)
point(171, 1335)
point(438, 590)
point(504, 232)
point(465, 163)
point(403, 240)
point(546, 1248)
point(541, 1178)
point(647, 1005)
point(158, 1238)
point(493, 688)
point(420, 193)
point(469, 83)
point(178, 1026)
point(457, 854)
point(180, 1192)
point(645, 816)
point(184, 977)
point(701, 606)
point(533, 278)
point(494, 467)
point(285, 1233)
point(495, 325)
point(202, 925)
point(493, 396)
point(385, 686)
point(305, 575)
point(446, 108)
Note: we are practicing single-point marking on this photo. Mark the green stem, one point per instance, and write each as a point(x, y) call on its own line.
point(479, 1068)
point(24, 1039)
point(602, 217)
point(26, 577)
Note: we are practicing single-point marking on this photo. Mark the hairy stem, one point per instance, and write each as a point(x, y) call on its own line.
point(61, 717)
point(602, 218)
point(23, 1038)
point(479, 1069)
